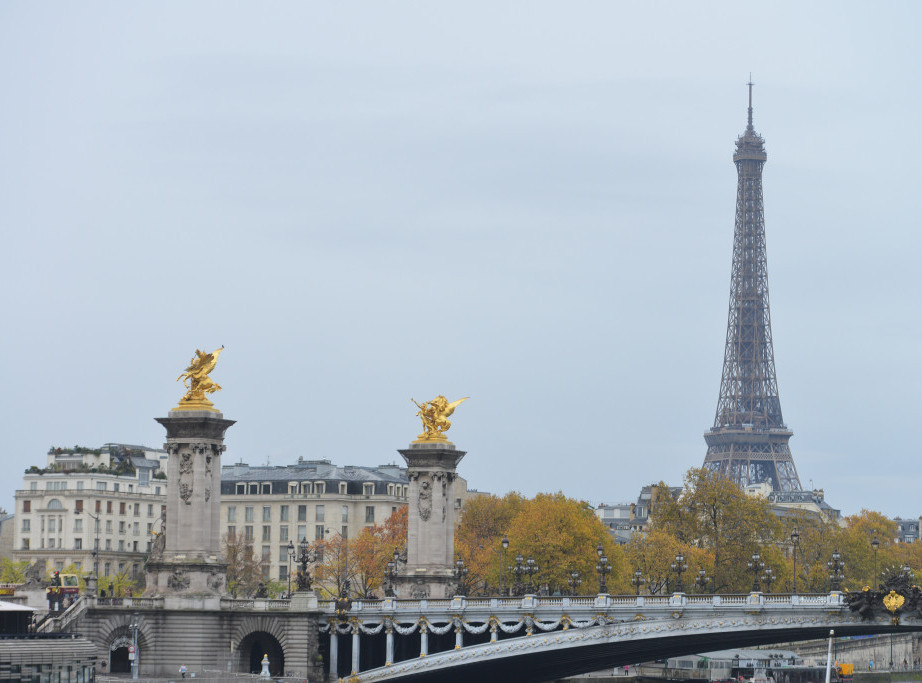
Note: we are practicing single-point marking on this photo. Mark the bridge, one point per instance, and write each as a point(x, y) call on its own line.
point(540, 638)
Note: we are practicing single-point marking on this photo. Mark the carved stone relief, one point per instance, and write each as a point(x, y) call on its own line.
point(425, 500)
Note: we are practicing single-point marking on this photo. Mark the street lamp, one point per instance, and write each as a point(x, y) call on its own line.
point(134, 645)
point(795, 541)
point(291, 556)
point(875, 543)
point(530, 570)
point(503, 578)
point(756, 566)
point(836, 566)
point(603, 567)
point(304, 556)
point(518, 571)
point(95, 552)
point(767, 579)
point(637, 581)
point(575, 581)
point(678, 567)
point(460, 575)
point(390, 573)
point(702, 580)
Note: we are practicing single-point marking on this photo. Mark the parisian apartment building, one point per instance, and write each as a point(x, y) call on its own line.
point(111, 499)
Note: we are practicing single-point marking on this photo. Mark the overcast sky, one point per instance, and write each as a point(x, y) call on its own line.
point(527, 203)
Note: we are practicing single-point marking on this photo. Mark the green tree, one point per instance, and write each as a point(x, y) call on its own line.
point(12, 572)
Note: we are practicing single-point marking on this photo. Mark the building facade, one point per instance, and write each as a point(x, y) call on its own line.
point(273, 506)
point(93, 508)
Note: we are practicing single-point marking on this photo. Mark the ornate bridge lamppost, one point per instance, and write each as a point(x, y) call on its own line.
point(637, 581)
point(460, 576)
point(518, 571)
point(768, 578)
point(305, 555)
point(390, 573)
point(603, 567)
point(702, 580)
point(875, 544)
point(679, 567)
point(575, 581)
point(503, 578)
point(836, 565)
point(530, 570)
point(795, 541)
point(291, 557)
point(756, 566)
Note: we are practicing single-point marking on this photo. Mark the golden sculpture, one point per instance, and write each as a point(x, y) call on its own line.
point(198, 383)
point(435, 414)
point(893, 601)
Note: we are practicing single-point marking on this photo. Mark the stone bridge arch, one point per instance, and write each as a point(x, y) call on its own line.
point(116, 637)
point(257, 635)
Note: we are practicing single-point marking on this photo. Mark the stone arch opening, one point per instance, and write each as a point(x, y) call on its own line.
point(119, 663)
point(252, 649)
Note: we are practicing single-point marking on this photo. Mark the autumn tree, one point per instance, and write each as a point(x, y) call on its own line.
point(654, 554)
point(336, 568)
point(245, 569)
point(715, 514)
point(374, 548)
point(561, 534)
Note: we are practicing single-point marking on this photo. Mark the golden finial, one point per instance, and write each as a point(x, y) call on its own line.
point(198, 383)
point(435, 414)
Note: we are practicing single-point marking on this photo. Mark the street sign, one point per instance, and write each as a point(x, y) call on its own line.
point(131, 649)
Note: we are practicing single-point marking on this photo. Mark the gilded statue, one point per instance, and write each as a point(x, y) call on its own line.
point(198, 383)
point(435, 414)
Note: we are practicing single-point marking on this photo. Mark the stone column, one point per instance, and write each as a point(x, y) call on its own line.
point(191, 560)
point(429, 572)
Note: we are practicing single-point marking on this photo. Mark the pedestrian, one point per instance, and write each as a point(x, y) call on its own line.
point(182, 670)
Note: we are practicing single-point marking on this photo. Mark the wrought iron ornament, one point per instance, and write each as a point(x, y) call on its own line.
point(749, 440)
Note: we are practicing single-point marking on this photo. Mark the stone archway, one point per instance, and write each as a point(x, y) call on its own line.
point(118, 656)
point(255, 632)
point(253, 647)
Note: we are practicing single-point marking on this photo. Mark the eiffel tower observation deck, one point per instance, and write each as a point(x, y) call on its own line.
point(749, 440)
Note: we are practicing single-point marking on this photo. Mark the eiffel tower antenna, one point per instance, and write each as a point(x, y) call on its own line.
point(749, 440)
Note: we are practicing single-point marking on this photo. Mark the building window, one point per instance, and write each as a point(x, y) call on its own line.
point(107, 569)
point(137, 509)
point(121, 527)
point(27, 525)
point(320, 514)
point(320, 488)
point(150, 510)
point(283, 573)
point(51, 543)
point(267, 489)
point(267, 532)
point(143, 476)
point(25, 544)
point(121, 508)
point(136, 529)
point(231, 533)
point(283, 534)
point(318, 532)
point(79, 487)
point(283, 554)
point(241, 489)
point(78, 506)
point(292, 488)
point(283, 513)
point(115, 487)
point(345, 513)
point(100, 486)
point(78, 525)
point(267, 513)
point(369, 514)
point(27, 506)
point(157, 490)
point(108, 526)
point(33, 486)
point(248, 533)
point(98, 506)
point(254, 489)
point(342, 488)
point(302, 513)
point(368, 489)
point(248, 514)
point(108, 507)
point(302, 532)
point(121, 546)
point(51, 525)
point(108, 544)
point(231, 513)
point(345, 532)
point(390, 489)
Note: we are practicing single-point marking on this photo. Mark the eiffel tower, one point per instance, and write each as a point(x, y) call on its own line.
point(749, 440)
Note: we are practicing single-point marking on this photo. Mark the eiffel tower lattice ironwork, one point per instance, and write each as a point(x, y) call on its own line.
point(749, 440)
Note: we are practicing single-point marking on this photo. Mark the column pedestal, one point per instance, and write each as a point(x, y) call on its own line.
point(191, 560)
point(429, 572)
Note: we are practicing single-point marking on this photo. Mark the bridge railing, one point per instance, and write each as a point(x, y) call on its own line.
point(529, 603)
